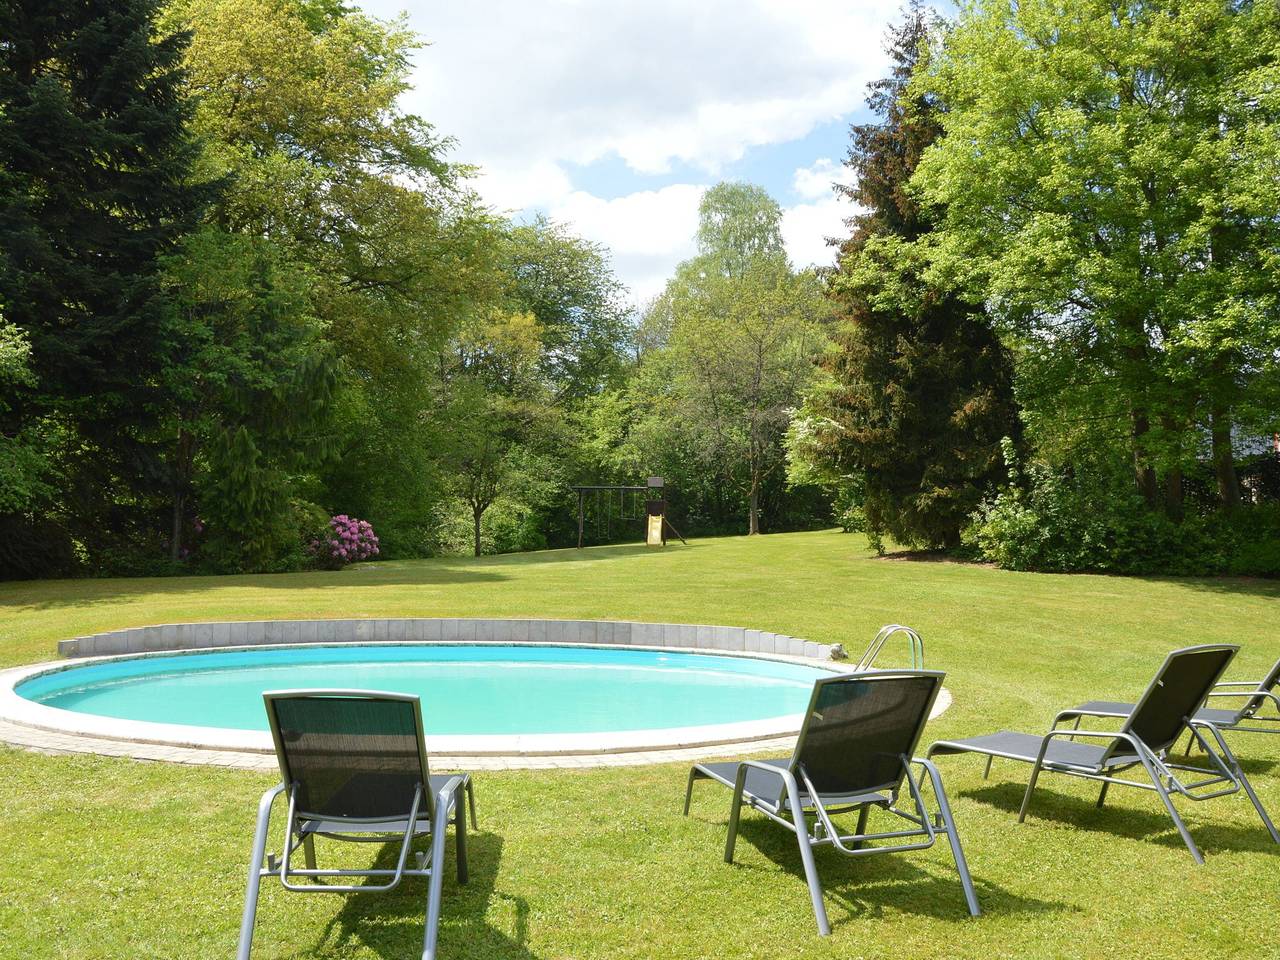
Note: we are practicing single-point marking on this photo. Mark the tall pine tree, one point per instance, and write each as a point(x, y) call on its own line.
point(96, 186)
point(920, 392)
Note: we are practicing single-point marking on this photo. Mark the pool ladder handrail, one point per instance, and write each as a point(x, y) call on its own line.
point(881, 638)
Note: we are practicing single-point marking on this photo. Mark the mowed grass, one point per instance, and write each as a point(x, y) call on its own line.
point(111, 858)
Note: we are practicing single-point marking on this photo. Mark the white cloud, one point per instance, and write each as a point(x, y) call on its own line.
point(654, 82)
point(814, 182)
point(531, 90)
point(649, 232)
point(807, 226)
point(537, 184)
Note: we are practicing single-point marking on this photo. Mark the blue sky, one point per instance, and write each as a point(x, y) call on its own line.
point(613, 116)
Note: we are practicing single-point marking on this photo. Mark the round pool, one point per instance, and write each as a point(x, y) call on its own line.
point(476, 698)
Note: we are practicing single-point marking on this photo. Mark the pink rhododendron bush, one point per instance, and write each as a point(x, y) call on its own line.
point(347, 540)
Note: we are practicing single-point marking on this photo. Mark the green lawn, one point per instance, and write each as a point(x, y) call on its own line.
point(110, 858)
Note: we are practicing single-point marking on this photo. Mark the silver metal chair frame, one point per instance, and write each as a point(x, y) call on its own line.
point(825, 833)
point(301, 829)
point(1255, 691)
point(1225, 768)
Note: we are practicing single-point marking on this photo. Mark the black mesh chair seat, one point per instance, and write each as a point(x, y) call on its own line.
point(767, 788)
point(1114, 708)
point(421, 826)
point(1026, 746)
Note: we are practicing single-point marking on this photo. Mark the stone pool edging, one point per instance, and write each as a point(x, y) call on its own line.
point(171, 637)
point(26, 724)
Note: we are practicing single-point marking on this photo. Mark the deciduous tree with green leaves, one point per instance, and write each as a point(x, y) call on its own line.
point(299, 105)
point(745, 330)
point(1108, 182)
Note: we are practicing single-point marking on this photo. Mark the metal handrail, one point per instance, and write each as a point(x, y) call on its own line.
point(881, 638)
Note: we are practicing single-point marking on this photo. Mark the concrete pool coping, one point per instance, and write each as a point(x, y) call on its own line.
point(28, 724)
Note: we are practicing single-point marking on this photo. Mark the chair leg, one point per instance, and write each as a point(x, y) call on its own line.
point(255, 875)
point(471, 800)
point(1031, 785)
point(735, 811)
point(309, 851)
point(436, 880)
point(1234, 765)
point(460, 840)
point(953, 837)
point(688, 790)
point(1102, 794)
point(810, 866)
point(1173, 813)
point(987, 772)
point(862, 825)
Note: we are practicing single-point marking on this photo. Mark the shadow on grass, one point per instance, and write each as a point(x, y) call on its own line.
point(865, 886)
point(392, 924)
point(439, 571)
point(1119, 818)
point(1249, 586)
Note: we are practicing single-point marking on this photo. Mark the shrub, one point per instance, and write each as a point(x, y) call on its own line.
point(346, 540)
point(1091, 519)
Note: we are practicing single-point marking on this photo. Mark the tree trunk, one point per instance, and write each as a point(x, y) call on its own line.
point(184, 454)
point(476, 514)
point(1224, 461)
point(1144, 474)
point(1173, 494)
point(175, 534)
point(753, 522)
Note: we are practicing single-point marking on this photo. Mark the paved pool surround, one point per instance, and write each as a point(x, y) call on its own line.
point(35, 726)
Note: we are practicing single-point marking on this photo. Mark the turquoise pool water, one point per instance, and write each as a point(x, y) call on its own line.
point(465, 689)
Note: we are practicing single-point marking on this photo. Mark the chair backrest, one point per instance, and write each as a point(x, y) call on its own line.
point(860, 726)
point(1177, 691)
point(356, 754)
point(1268, 685)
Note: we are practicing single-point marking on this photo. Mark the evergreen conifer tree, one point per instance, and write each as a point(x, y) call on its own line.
point(920, 392)
point(96, 187)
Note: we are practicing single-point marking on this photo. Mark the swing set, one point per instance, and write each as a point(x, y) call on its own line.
point(645, 505)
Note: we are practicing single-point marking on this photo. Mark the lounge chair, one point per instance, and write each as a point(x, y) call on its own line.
point(854, 753)
point(1154, 725)
point(1256, 694)
point(354, 766)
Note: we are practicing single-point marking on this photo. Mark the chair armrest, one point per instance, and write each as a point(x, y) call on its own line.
point(1250, 694)
point(1077, 712)
point(450, 788)
point(786, 776)
point(1238, 683)
point(268, 798)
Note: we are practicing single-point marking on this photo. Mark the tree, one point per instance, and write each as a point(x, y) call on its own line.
point(300, 105)
point(919, 392)
point(568, 286)
point(97, 184)
point(1107, 177)
point(738, 224)
point(744, 331)
point(248, 394)
point(499, 412)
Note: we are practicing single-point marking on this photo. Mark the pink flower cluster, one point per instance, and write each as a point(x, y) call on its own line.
point(348, 540)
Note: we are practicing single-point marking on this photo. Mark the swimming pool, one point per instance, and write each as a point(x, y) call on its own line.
point(519, 698)
point(465, 689)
